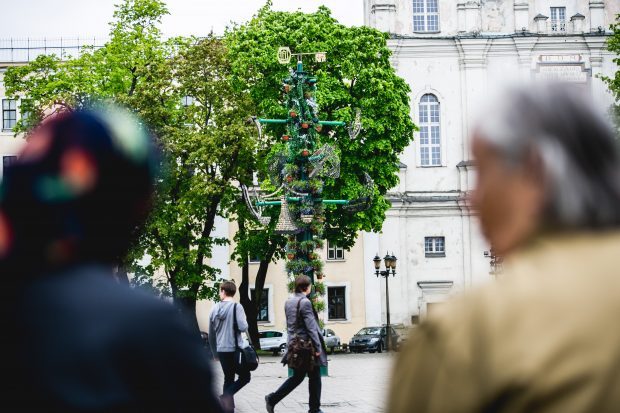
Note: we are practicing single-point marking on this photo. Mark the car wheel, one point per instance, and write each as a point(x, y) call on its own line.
point(371, 351)
point(282, 349)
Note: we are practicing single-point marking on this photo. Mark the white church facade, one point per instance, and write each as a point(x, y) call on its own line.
point(453, 54)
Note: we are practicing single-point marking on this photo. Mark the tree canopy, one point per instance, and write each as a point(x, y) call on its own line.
point(356, 75)
point(613, 83)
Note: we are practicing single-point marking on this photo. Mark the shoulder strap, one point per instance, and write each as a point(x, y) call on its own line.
point(235, 326)
point(298, 319)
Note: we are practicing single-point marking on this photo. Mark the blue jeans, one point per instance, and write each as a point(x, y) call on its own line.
point(314, 387)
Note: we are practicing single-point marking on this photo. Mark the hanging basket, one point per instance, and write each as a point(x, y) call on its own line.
point(319, 276)
point(290, 255)
point(306, 218)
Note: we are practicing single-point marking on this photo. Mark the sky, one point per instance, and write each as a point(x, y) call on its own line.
point(39, 19)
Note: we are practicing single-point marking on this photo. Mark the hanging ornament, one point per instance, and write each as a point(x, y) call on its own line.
point(304, 125)
point(305, 152)
point(285, 138)
point(293, 114)
point(285, 224)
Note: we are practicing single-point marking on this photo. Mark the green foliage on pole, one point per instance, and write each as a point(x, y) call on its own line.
point(357, 74)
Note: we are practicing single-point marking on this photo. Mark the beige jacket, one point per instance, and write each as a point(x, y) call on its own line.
point(545, 337)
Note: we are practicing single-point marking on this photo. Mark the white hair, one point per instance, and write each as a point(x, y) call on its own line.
point(576, 145)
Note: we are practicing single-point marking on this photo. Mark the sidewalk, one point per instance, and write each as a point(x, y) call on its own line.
point(356, 383)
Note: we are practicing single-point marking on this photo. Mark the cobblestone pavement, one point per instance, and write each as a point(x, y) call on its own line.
point(356, 383)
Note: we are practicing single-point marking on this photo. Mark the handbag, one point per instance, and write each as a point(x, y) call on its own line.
point(246, 357)
point(301, 353)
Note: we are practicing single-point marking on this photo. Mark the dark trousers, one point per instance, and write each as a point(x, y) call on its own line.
point(314, 387)
point(227, 360)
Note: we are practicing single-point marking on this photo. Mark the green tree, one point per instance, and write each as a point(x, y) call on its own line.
point(613, 83)
point(207, 145)
point(357, 74)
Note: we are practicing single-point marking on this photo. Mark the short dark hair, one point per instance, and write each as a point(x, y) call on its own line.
point(229, 288)
point(301, 283)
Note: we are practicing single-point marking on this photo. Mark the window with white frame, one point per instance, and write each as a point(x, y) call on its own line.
point(187, 100)
point(336, 303)
point(425, 16)
point(558, 19)
point(263, 308)
point(430, 131)
point(9, 113)
point(435, 246)
point(334, 252)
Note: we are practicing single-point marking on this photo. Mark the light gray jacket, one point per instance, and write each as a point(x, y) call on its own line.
point(221, 338)
point(309, 324)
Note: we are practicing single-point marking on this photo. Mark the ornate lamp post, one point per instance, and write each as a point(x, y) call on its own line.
point(390, 263)
point(496, 261)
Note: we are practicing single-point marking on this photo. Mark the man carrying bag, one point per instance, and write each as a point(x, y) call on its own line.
point(226, 322)
point(306, 350)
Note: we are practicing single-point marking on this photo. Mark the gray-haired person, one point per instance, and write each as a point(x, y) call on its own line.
point(545, 336)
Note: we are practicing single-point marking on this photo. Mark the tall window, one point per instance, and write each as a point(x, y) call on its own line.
point(334, 252)
point(425, 16)
point(9, 113)
point(430, 137)
point(435, 246)
point(336, 304)
point(558, 19)
point(263, 309)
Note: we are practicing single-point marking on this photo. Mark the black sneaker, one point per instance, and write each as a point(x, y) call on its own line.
point(268, 404)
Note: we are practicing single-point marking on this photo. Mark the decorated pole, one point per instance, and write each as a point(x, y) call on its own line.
point(298, 167)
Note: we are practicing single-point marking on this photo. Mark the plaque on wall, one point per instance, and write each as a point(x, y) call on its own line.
point(562, 68)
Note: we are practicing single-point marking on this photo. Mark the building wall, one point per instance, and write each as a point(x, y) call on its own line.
point(9, 144)
point(479, 47)
point(348, 273)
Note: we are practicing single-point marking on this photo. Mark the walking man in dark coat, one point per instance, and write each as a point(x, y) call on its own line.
point(308, 329)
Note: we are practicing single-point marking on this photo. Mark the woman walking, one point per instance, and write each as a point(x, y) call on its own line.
point(302, 322)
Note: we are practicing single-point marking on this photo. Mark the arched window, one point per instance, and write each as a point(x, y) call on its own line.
point(430, 136)
point(425, 16)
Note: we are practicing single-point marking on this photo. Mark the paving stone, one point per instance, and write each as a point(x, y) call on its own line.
point(356, 383)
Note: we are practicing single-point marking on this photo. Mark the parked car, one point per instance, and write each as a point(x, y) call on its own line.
point(373, 339)
point(273, 340)
point(332, 341)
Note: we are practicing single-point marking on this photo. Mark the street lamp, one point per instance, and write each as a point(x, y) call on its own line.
point(390, 263)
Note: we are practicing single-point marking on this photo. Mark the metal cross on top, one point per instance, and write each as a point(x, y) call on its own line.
point(298, 171)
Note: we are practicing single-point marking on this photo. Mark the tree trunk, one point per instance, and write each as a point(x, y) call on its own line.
point(187, 307)
point(248, 305)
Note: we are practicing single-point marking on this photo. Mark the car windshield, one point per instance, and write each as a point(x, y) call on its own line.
point(369, 331)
